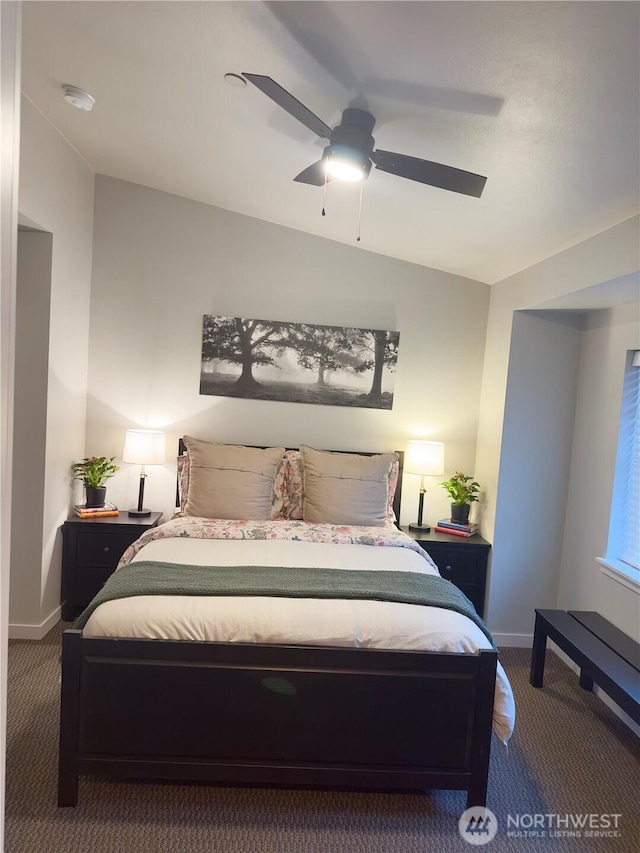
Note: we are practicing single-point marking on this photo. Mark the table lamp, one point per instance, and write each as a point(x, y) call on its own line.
point(427, 459)
point(143, 447)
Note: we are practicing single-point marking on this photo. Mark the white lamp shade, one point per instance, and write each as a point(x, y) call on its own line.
point(144, 447)
point(424, 457)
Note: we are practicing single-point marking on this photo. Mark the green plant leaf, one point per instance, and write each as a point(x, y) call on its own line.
point(462, 488)
point(94, 471)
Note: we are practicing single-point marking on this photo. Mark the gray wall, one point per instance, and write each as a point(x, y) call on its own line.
point(534, 466)
point(33, 306)
point(56, 196)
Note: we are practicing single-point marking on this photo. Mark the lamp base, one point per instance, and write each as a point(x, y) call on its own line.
point(420, 528)
point(139, 512)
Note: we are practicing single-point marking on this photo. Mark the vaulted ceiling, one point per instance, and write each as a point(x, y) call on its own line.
point(542, 98)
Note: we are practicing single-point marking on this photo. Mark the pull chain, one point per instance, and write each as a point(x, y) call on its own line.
point(324, 194)
point(360, 211)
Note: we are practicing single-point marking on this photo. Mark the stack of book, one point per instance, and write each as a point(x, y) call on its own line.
point(96, 512)
point(445, 525)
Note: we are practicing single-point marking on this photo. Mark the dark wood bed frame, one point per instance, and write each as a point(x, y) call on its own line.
point(274, 714)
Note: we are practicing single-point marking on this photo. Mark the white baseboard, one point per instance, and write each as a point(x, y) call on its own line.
point(518, 641)
point(34, 632)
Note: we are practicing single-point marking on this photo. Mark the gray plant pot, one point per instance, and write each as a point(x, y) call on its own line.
point(460, 513)
point(95, 497)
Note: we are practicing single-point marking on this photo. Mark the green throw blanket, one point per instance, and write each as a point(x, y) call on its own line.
point(148, 577)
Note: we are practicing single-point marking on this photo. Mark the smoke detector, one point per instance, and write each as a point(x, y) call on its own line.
point(78, 98)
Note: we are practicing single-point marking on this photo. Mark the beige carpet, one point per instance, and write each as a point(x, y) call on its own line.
point(569, 755)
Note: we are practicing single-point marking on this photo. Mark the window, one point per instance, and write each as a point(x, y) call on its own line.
point(622, 560)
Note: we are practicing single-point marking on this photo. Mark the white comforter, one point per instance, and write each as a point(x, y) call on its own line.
point(333, 622)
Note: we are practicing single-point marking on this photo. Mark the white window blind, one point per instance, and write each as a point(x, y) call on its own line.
point(623, 548)
point(630, 440)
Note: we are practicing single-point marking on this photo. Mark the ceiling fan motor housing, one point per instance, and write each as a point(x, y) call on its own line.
point(352, 139)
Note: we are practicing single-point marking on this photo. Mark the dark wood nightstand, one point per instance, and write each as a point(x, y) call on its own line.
point(460, 560)
point(91, 550)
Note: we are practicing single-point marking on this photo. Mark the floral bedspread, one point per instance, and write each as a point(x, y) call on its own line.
point(339, 534)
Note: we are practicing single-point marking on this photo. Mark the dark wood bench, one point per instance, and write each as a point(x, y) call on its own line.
point(605, 655)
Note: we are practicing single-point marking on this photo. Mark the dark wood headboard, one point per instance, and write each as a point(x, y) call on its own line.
point(396, 498)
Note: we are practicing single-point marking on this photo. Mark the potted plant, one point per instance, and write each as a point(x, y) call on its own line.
point(463, 491)
point(94, 471)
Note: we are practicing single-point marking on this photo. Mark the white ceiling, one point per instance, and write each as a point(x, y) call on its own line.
point(542, 98)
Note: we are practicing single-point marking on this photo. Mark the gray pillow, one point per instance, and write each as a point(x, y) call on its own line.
point(346, 488)
point(230, 481)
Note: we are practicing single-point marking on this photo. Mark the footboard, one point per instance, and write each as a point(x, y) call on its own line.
point(264, 714)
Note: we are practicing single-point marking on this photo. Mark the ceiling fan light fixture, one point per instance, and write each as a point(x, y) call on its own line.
point(347, 164)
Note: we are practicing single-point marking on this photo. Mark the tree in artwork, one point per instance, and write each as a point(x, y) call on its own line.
point(241, 341)
point(379, 350)
point(319, 348)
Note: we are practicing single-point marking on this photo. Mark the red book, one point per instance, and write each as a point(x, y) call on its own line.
point(453, 532)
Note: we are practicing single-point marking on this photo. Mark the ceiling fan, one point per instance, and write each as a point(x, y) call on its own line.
point(350, 153)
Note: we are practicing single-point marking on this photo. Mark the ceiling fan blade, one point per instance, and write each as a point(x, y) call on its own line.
point(292, 105)
point(426, 172)
point(314, 174)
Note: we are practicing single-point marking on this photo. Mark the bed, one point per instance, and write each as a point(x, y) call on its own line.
point(285, 671)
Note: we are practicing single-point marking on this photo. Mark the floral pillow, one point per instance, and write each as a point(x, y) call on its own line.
point(393, 485)
point(183, 480)
point(288, 487)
